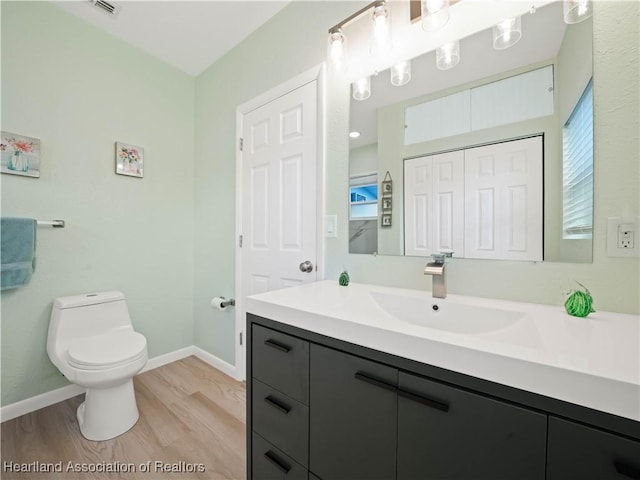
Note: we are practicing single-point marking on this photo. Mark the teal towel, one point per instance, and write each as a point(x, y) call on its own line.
point(17, 251)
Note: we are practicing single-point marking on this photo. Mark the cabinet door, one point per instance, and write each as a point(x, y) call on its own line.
point(352, 413)
point(577, 452)
point(448, 433)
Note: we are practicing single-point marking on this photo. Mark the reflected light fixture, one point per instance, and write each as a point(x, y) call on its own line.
point(448, 55)
point(337, 50)
point(435, 14)
point(401, 73)
point(576, 11)
point(380, 37)
point(361, 88)
point(354, 134)
point(507, 33)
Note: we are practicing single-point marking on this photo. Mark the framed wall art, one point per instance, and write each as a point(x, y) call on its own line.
point(129, 160)
point(19, 155)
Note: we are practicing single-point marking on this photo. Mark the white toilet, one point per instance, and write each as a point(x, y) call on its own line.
point(92, 342)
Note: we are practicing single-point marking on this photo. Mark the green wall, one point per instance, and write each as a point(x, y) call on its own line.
point(79, 90)
point(168, 240)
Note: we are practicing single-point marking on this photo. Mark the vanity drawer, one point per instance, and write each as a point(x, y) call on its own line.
point(578, 452)
point(281, 361)
point(282, 420)
point(269, 462)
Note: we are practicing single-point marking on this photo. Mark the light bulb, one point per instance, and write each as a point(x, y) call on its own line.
point(380, 41)
point(577, 10)
point(401, 73)
point(337, 50)
point(507, 33)
point(435, 14)
point(448, 55)
point(362, 88)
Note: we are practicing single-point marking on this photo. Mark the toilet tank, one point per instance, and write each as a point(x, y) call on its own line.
point(86, 315)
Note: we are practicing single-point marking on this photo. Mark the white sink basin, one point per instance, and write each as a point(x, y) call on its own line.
point(443, 314)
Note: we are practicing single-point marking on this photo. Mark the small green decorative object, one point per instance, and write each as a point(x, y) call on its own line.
point(579, 303)
point(343, 279)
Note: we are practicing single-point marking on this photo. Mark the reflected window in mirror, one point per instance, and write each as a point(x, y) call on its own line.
point(577, 141)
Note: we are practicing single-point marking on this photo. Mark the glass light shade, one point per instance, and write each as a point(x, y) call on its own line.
point(507, 33)
point(401, 73)
point(380, 38)
point(435, 14)
point(337, 51)
point(361, 88)
point(448, 55)
point(577, 10)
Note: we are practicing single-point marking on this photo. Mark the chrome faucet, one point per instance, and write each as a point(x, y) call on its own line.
point(436, 270)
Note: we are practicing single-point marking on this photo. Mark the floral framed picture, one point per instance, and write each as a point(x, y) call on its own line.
point(129, 160)
point(19, 155)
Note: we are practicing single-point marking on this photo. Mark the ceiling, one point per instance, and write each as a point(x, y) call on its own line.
point(190, 35)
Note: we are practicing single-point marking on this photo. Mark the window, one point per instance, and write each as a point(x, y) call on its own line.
point(363, 197)
point(577, 141)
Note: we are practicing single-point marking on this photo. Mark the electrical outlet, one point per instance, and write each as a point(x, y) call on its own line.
point(622, 237)
point(625, 235)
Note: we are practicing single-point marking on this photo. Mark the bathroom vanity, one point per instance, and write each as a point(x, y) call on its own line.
point(375, 382)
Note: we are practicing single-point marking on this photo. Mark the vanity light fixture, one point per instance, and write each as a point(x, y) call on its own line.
point(576, 11)
point(507, 33)
point(401, 73)
point(362, 88)
point(435, 14)
point(448, 55)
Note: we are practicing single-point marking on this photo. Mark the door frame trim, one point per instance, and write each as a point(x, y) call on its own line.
point(317, 74)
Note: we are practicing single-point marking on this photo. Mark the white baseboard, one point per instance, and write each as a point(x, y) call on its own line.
point(215, 362)
point(32, 404)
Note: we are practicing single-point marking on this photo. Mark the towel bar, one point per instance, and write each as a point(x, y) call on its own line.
point(51, 223)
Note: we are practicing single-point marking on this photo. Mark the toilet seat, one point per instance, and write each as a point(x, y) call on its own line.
point(107, 350)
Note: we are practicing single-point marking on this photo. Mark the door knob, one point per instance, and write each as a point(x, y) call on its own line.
point(306, 267)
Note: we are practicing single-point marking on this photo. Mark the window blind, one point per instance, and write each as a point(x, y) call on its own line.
point(577, 140)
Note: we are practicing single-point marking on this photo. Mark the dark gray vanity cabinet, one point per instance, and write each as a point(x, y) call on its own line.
point(322, 409)
point(353, 416)
point(579, 452)
point(448, 433)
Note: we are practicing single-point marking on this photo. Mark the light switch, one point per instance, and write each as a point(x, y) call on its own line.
point(331, 226)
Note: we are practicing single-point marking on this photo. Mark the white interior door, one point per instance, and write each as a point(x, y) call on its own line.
point(434, 204)
point(503, 196)
point(278, 199)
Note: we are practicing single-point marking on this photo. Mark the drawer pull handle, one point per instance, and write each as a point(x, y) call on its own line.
point(365, 377)
point(429, 402)
point(278, 346)
point(277, 404)
point(627, 470)
point(278, 462)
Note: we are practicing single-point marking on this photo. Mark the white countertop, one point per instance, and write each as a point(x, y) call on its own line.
point(593, 361)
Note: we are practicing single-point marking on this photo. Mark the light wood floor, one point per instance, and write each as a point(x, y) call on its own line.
point(190, 413)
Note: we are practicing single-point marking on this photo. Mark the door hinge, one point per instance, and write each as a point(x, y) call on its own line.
point(240, 338)
point(240, 241)
point(241, 143)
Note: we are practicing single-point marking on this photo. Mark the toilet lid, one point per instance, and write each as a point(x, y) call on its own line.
point(109, 349)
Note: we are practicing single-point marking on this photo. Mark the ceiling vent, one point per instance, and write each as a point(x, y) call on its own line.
point(110, 8)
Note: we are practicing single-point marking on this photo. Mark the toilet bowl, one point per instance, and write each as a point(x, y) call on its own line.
point(92, 342)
